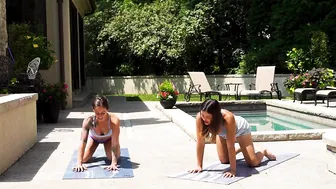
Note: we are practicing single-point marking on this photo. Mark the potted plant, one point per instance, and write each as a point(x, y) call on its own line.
point(64, 95)
point(167, 94)
point(51, 98)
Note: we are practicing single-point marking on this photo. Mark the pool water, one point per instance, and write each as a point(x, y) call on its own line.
point(271, 121)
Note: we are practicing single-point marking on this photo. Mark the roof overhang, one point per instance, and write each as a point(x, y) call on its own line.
point(85, 7)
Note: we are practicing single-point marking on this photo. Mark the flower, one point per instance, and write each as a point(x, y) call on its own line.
point(167, 90)
point(315, 78)
point(51, 93)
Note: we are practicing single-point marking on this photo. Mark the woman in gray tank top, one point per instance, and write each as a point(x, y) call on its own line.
point(225, 128)
point(101, 128)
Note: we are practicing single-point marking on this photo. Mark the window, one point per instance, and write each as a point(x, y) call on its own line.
point(32, 12)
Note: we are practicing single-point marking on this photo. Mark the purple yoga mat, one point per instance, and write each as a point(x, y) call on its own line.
point(214, 172)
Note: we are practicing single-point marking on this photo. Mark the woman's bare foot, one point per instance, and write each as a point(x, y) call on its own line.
point(269, 155)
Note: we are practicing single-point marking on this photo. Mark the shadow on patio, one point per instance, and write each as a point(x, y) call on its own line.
point(30, 163)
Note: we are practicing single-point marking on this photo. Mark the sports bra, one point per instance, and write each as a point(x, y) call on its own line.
point(102, 136)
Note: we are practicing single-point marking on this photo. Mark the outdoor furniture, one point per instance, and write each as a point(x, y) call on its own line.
point(199, 84)
point(264, 83)
point(302, 93)
point(26, 81)
point(6, 69)
point(235, 86)
point(327, 94)
point(33, 68)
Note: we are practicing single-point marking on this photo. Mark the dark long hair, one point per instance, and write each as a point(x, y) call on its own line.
point(99, 101)
point(212, 107)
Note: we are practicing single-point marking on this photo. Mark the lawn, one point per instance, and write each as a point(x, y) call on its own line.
point(152, 97)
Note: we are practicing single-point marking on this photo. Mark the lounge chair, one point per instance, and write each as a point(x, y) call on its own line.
point(264, 84)
point(329, 93)
point(303, 92)
point(199, 84)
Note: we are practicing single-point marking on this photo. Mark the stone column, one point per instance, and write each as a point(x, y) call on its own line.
point(67, 50)
point(3, 28)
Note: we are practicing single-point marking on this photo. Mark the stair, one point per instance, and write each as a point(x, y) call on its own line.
point(80, 99)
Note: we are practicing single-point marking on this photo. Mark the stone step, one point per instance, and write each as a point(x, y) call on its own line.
point(80, 99)
point(329, 138)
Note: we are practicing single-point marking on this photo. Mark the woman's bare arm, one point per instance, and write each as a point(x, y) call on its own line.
point(115, 139)
point(200, 141)
point(84, 136)
point(230, 140)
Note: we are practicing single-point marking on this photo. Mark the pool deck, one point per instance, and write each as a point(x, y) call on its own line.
point(306, 111)
point(158, 147)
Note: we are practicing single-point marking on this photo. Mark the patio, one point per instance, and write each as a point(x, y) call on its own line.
point(157, 148)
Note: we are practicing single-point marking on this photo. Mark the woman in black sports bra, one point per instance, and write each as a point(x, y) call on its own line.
point(101, 128)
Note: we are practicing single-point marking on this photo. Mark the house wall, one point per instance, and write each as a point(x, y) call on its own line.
point(67, 50)
point(53, 74)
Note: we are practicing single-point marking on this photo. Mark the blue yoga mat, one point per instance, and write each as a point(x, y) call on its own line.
point(95, 168)
point(214, 172)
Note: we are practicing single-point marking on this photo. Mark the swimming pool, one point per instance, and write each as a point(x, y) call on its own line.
point(272, 121)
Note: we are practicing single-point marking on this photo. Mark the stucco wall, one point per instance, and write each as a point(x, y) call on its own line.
point(18, 127)
point(149, 84)
point(53, 74)
point(3, 28)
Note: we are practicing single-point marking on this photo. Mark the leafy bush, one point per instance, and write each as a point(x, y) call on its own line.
point(167, 90)
point(297, 61)
point(26, 46)
point(316, 78)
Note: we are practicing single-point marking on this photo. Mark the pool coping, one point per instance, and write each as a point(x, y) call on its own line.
point(187, 122)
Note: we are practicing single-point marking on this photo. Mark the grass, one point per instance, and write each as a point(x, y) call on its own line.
point(152, 97)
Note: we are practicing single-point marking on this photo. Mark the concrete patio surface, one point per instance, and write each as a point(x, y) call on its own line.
point(157, 148)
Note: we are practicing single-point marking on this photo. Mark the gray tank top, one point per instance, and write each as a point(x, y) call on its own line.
point(241, 126)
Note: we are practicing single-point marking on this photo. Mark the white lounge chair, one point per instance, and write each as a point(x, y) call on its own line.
point(199, 85)
point(264, 83)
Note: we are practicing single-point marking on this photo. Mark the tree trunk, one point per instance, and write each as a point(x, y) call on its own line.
point(3, 28)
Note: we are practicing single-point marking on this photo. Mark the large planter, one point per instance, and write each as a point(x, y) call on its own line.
point(51, 112)
point(63, 105)
point(39, 111)
point(168, 104)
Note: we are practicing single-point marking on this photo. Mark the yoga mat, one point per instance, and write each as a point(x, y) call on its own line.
point(214, 172)
point(95, 167)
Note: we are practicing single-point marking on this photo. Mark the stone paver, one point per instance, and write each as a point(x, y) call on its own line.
point(157, 148)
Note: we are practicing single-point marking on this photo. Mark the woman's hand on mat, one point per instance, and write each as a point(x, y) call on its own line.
point(229, 174)
point(112, 167)
point(79, 168)
point(197, 170)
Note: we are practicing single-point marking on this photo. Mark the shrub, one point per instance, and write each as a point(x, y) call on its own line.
point(26, 46)
point(316, 78)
